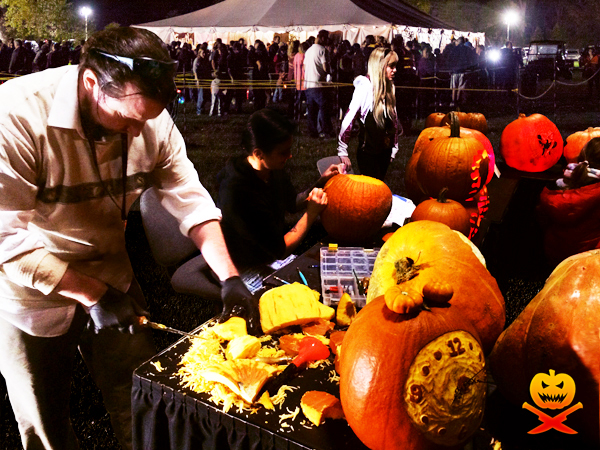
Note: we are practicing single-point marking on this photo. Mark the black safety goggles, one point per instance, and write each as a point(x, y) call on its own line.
point(144, 66)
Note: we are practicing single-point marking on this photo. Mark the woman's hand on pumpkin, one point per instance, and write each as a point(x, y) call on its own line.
point(331, 171)
point(316, 202)
point(346, 162)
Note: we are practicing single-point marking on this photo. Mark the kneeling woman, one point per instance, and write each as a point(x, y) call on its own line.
point(255, 193)
point(374, 102)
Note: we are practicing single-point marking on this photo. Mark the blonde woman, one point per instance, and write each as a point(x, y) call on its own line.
point(374, 102)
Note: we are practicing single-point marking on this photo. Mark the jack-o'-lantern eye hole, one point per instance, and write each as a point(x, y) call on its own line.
point(544, 385)
point(560, 385)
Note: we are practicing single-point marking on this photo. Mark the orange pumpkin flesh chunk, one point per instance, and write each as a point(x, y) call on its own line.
point(318, 406)
point(244, 377)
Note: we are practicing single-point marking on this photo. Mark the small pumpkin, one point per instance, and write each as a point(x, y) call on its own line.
point(557, 330)
point(425, 252)
point(357, 207)
point(458, 162)
point(403, 301)
point(434, 119)
point(475, 121)
point(531, 143)
point(443, 210)
point(577, 140)
point(406, 380)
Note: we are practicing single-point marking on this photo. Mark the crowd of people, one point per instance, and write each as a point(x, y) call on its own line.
point(236, 72)
point(229, 74)
point(20, 57)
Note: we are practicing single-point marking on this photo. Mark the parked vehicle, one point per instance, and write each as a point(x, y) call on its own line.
point(546, 60)
point(573, 55)
point(546, 57)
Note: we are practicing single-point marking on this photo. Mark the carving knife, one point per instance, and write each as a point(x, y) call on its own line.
point(158, 326)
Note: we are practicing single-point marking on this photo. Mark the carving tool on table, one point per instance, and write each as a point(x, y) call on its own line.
point(358, 283)
point(158, 326)
point(281, 279)
point(302, 277)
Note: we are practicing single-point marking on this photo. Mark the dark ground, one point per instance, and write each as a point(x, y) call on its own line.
point(512, 250)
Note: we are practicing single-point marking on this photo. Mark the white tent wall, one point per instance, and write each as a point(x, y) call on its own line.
point(436, 37)
point(294, 19)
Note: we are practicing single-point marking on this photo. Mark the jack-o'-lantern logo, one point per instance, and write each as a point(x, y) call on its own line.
point(552, 390)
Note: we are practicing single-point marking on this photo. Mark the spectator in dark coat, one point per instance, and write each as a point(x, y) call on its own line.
point(55, 58)
point(463, 59)
point(5, 55)
point(17, 59)
point(76, 53)
point(40, 62)
point(236, 63)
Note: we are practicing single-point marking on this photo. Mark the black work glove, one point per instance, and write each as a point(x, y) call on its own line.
point(238, 301)
point(116, 309)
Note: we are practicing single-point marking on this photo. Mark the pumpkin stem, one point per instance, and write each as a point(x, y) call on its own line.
point(454, 125)
point(443, 195)
point(406, 269)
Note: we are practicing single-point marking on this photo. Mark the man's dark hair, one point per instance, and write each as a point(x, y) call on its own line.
point(266, 129)
point(113, 75)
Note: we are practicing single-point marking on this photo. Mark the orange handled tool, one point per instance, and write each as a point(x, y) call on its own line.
point(311, 349)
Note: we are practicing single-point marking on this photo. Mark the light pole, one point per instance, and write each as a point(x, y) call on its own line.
point(510, 17)
point(85, 12)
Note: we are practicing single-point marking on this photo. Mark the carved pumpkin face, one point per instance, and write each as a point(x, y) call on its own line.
point(552, 391)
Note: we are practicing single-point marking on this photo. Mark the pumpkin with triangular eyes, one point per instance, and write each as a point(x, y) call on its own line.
point(552, 390)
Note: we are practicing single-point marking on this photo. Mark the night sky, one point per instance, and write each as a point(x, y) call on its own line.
point(129, 12)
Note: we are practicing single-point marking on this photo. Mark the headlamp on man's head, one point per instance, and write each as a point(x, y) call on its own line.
point(144, 66)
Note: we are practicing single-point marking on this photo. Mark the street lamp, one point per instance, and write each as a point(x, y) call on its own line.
point(85, 11)
point(510, 18)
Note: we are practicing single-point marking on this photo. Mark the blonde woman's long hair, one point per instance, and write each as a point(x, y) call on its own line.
point(384, 97)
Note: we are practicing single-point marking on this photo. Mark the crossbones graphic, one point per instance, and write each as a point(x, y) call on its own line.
point(552, 422)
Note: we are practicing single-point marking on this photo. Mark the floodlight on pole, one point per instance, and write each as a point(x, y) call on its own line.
point(85, 12)
point(510, 18)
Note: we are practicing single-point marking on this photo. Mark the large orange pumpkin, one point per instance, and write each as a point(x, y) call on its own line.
point(531, 143)
point(425, 252)
point(407, 381)
point(411, 185)
point(357, 207)
point(458, 162)
point(558, 330)
point(577, 140)
point(443, 210)
point(429, 134)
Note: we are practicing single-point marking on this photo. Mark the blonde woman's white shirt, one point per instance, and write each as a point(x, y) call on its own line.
point(361, 104)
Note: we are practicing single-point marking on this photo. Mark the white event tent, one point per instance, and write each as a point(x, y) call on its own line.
point(298, 19)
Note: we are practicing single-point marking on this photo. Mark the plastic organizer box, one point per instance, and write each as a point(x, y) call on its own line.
point(338, 269)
